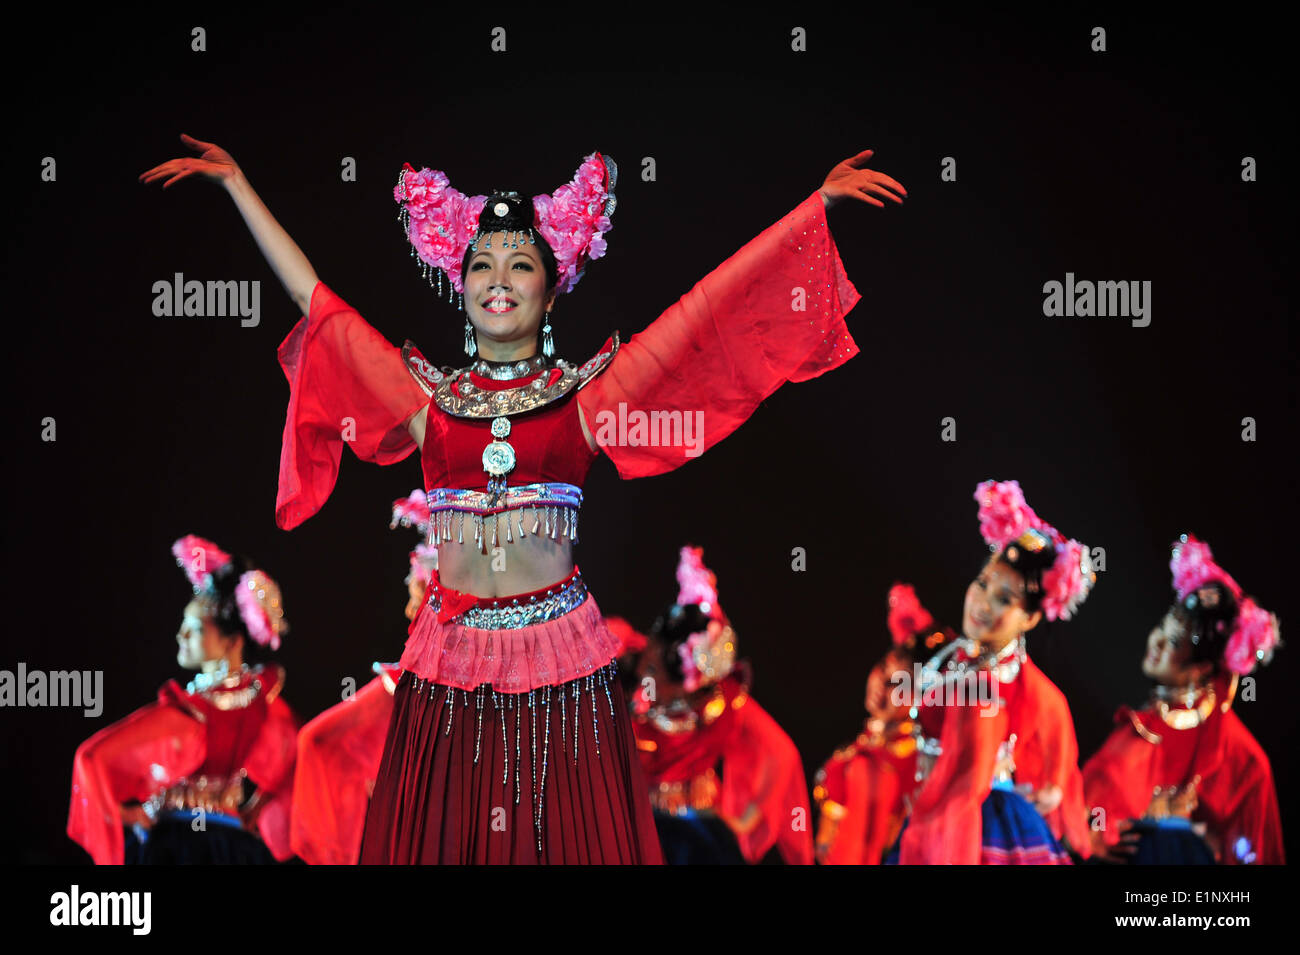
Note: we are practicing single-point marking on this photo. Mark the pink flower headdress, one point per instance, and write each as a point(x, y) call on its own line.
point(907, 617)
point(200, 559)
point(441, 222)
point(1255, 632)
point(709, 655)
point(1007, 522)
point(258, 597)
point(912, 627)
point(413, 511)
point(256, 594)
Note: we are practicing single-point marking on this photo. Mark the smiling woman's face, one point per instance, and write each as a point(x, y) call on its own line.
point(995, 606)
point(506, 296)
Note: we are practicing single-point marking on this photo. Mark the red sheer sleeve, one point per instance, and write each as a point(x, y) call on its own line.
point(270, 764)
point(772, 313)
point(851, 833)
point(946, 825)
point(1052, 758)
point(338, 759)
point(871, 790)
point(1252, 822)
point(133, 758)
point(346, 384)
point(762, 768)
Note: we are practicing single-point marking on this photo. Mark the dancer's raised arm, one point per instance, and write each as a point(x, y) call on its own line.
point(771, 313)
point(347, 383)
point(282, 253)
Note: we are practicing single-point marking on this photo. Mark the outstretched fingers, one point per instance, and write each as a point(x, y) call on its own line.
point(880, 189)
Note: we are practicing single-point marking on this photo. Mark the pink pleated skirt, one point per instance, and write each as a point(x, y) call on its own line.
point(546, 776)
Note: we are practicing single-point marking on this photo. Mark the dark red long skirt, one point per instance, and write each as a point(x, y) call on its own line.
point(473, 777)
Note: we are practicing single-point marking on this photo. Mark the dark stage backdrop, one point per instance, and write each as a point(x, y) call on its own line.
point(1123, 165)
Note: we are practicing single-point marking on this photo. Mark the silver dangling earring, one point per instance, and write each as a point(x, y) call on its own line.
point(548, 344)
point(471, 344)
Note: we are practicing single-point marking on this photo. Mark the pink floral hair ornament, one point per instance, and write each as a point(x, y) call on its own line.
point(413, 511)
point(907, 617)
point(1256, 632)
point(1006, 521)
point(424, 561)
point(258, 597)
point(200, 559)
point(710, 654)
point(441, 222)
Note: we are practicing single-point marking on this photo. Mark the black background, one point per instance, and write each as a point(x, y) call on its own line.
point(1123, 165)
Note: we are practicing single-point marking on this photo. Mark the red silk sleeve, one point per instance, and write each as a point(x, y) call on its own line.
point(847, 849)
point(347, 384)
point(270, 764)
point(1050, 756)
point(1115, 779)
point(771, 313)
point(871, 791)
point(338, 759)
point(946, 825)
point(131, 759)
point(1249, 799)
point(762, 768)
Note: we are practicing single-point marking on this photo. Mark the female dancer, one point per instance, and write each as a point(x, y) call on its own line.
point(509, 625)
point(204, 775)
point(726, 782)
point(1186, 764)
point(863, 790)
point(1005, 787)
point(339, 750)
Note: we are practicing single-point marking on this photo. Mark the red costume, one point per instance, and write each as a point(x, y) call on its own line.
point(338, 759)
point(762, 777)
point(945, 825)
point(190, 750)
point(861, 794)
point(1235, 796)
point(771, 313)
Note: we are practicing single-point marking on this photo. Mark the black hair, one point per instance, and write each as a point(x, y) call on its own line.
point(1207, 616)
point(1031, 555)
point(671, 630)
point(519, 218)
point(225, 612)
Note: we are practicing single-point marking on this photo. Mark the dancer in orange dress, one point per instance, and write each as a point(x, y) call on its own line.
point(862, 792)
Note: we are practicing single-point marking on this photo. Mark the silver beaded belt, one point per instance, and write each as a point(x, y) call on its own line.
point(555, 512)
point(514, 615)
point(524, 495)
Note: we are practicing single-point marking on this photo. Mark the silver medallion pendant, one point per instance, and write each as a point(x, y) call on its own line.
point(498, 458)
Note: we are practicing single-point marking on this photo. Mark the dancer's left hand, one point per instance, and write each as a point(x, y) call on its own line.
point(851, 179)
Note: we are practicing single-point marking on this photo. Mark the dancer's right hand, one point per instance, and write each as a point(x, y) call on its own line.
point(212, 163)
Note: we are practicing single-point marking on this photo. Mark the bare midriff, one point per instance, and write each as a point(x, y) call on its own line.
point(525, 564)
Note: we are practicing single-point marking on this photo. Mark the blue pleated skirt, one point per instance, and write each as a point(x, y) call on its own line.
point(1013, 832)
